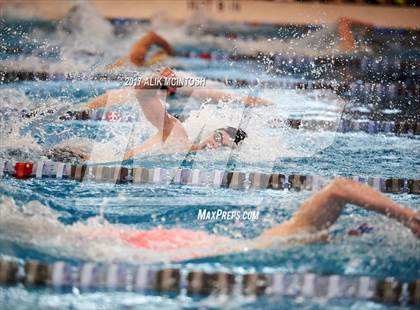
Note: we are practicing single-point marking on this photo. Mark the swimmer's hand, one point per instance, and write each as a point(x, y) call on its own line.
point(161, 80)
point(256, 101)
point(129, 154)
point(167, 72)
point(119, 63)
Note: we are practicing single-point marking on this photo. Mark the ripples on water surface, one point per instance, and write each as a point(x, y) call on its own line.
point(390, 252)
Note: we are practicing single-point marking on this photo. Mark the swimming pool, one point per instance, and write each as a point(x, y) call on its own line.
point(30, 208)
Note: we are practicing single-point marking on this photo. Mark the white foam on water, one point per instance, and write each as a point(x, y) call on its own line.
point(36, 225)
point(81, 37)
point(265, 126)
point(13, 143)
point(36, 64)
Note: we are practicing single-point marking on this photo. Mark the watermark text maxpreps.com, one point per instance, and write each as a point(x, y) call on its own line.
point(223, 215)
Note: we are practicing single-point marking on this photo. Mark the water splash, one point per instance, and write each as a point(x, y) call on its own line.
point(35, 225)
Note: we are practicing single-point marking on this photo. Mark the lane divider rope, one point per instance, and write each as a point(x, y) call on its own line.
point(363, 91)
point(144, 279)
point(12, 76)
point(356, 88)
point(343, 125)
point(193, 177)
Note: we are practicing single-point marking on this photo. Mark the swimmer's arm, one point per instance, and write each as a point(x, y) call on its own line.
point(153, 38)
point(145, 146)
point(111, 97)
point(321, 211)
point(347, 39)
point(97, 102)
point(217, 95)
point(141, 47)
point(118, 96)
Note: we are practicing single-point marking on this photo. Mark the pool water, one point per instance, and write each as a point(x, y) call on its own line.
point(147, 206)
point(29, 209)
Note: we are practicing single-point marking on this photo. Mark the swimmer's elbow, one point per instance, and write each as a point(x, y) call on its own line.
point(137, 59)
point(152, 34)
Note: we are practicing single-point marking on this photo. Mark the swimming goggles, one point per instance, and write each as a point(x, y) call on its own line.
point(218, 137)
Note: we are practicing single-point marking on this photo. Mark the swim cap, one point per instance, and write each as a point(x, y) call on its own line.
point(236, 134)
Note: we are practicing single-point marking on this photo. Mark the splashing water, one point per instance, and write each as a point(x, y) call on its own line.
point(14, 144)
point(37, 226)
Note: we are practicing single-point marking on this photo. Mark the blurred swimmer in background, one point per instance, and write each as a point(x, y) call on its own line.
point(138, 55)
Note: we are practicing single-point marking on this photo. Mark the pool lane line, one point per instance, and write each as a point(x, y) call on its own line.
point(396, 94)
point(393, 94)
point(357, 89)
point(194, 177)
point(362, 68)
point(397, 127)
point(14, 76)
point(404, 128)
point(148, 279)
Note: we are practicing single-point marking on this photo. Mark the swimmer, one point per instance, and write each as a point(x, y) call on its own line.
point(317, 214)
point(321, 211)
point(171, 136)
point(348, 42)
point(140, 49)
point(309, 224)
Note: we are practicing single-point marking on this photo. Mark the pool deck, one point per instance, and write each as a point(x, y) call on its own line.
point(277, 12)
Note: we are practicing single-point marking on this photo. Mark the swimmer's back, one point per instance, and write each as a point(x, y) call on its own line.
point(170, 239)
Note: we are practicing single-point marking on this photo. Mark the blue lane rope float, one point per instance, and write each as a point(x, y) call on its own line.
point(368, 126)
point(13, 76)
point(357, 89)
point(362, 67)
point(144, 279)
point(362, 90)
point(343, 125)
point(395, 94)
point(365, 64)
point(193, 177)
